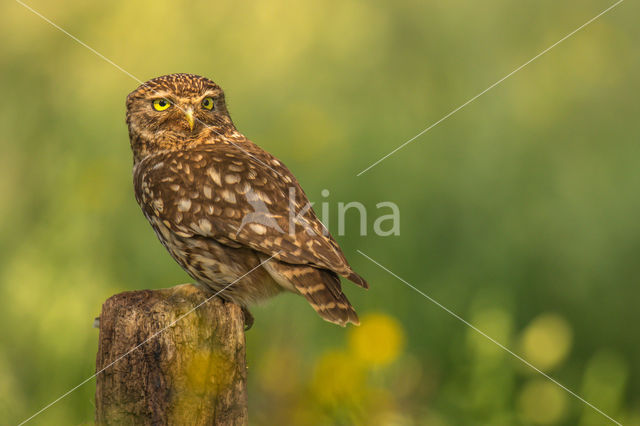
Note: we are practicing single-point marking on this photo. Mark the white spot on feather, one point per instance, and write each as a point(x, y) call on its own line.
point(158, 204)
point(263, 197)
point(206, 189)
point(204, 225)
point(258, 229)
point(184, 205)
point(215, 176)
point(228, 196)
point(244, 188)
point(232, 178)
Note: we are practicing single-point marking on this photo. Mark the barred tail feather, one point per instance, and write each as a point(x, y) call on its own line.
point(327, 299)
point(357, 279)
point(320, 287)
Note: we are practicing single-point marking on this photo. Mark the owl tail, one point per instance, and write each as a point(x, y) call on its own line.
point(320, 287)
point(326, 297)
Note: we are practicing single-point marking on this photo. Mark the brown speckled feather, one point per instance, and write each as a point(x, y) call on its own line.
point(221, 204)
point(207, 192)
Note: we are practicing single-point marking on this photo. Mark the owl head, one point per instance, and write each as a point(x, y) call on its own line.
point(169, 112)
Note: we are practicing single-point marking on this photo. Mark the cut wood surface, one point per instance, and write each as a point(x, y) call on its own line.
point(190, 373)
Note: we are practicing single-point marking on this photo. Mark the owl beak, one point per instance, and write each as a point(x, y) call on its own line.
point(189, 116)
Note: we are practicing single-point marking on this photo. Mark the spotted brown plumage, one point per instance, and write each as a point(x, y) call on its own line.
point(222, 206)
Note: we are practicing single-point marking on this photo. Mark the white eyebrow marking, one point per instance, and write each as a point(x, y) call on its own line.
point(157, 94)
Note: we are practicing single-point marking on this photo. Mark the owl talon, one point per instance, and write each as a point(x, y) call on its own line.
point(248, 319)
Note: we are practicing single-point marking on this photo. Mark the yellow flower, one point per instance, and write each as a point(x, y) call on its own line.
point(378, 341)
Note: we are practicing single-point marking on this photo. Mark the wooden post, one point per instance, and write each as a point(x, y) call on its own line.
point(192, 373)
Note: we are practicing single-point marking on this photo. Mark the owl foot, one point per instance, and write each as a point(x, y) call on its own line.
point(248, 319)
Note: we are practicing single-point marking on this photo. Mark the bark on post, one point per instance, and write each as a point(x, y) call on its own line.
point(192, 373)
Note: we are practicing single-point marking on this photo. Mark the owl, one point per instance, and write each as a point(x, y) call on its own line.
point(231, 214)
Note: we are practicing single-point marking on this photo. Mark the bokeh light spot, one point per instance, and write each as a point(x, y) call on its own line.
point(542, 402)
point(378, 341)
point(495, 323)
point(546, 341)
point(338, 376)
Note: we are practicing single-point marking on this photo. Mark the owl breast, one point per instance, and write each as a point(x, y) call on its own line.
point(235, 272)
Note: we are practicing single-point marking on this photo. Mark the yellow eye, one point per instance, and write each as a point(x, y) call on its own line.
point(207, 103)
point(161, 104)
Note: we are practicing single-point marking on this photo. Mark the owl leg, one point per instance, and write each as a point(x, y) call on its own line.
point(248, 318)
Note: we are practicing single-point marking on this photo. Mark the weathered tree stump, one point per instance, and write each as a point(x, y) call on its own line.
point(154, 372)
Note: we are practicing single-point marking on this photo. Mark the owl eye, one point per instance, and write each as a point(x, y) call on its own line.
point(207, 103)
point(161, 104)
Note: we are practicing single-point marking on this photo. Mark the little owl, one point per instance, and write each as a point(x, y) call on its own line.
point(230, 213)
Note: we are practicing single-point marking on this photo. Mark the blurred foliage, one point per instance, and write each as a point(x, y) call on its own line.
point(519, 213)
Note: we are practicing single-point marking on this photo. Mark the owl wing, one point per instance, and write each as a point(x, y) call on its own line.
point(218, 191)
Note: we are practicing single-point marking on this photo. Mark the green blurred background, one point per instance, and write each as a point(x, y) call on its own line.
point(519, 213)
